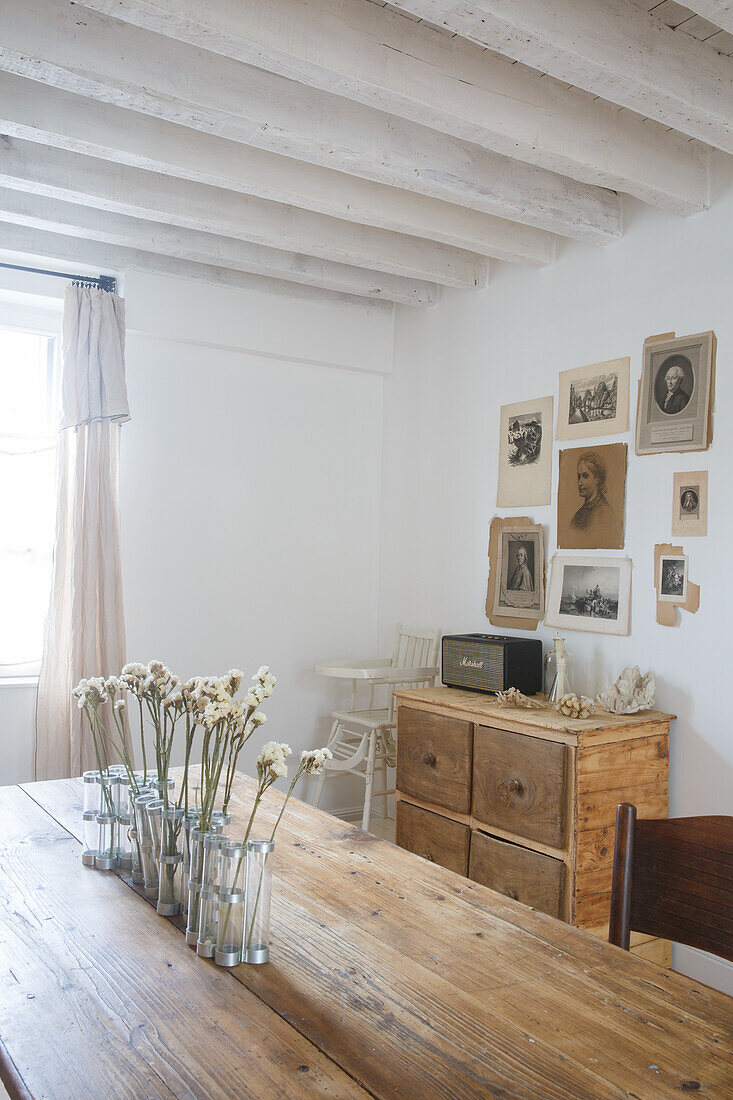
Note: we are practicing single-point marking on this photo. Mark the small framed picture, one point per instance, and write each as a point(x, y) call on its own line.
point(673, 578)
point(591, 491)
point(590, 593)
point(520, 568)
point(675, 394)
point(690, 503)
point(525, 453)
point(594, 400)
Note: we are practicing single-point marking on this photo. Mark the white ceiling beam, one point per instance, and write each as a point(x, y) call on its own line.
point(379, 58)
point(117, 259)
point(31, 111)
point(105, 59)
point(90, 223)
point(612, 48)
point(719, 12)
point(57, 173)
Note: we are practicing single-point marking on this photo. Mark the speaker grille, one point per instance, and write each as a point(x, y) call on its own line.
point(470, 664)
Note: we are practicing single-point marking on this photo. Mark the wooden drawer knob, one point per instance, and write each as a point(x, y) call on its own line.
point(428, 857)
point(514, 786)
point(429, 759)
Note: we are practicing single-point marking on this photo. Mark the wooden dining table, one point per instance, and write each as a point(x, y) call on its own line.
point(388, 977)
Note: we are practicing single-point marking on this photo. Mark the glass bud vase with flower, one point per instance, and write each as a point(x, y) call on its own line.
point(271, 765)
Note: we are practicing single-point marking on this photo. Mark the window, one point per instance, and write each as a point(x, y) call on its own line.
point(28, 443)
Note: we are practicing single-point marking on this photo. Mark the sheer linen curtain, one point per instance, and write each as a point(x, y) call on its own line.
point(85, 627)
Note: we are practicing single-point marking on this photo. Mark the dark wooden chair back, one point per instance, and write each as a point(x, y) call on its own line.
point(674, 879)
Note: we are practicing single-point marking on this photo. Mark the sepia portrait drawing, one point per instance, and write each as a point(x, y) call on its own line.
point(590, 594)
point(673, 578)
point(591, 497)
point(520, 567)
point(690, 503)
point(675, 394)
point(525, 453)
point(594, 400)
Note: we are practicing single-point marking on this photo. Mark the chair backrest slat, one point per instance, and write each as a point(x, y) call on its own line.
point(673, 878)
point(414, 649)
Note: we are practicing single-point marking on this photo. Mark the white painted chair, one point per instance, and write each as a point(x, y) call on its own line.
point(362, 741)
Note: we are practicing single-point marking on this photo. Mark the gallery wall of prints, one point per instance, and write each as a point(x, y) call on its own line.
point(674, 415)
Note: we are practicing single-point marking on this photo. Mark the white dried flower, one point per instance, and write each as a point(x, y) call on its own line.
point(259, 718)
point(272, 759)
point(312, 760)
point(120, 704)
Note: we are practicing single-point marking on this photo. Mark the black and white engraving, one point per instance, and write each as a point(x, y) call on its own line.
point(591, 592)
point(674, 384)
point(594, 398)
point(521, 566)
point(690, 501)
point(673, 584)
point(525, 439)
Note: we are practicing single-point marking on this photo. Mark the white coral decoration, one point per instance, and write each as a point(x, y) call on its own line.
point(630, 692)
point(272, 758)
point(575, 706)
point(312, 760)
point(512, 697)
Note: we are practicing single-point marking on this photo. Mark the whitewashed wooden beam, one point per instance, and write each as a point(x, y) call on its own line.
point(57, 173)
point(379, 58)
point(116, 258)
point(106, 59)
point(719, 12)
point(612, 48)
point(32, 111)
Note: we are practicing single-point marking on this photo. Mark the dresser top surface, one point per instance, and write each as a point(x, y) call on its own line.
point(478, 707)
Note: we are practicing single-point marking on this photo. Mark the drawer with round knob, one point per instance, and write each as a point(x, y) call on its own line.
point(519, 873)
point(520, 785)
point(434, 759)
point(435, 838)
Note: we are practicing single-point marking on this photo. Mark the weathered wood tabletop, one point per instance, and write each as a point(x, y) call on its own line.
point(389, 977)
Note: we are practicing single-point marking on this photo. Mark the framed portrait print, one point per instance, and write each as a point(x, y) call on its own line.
point(519, 588)
point(594, 400)
point(590, 593)
point(525, 453)
point(690, 503)
point(675, 394)
point(591, 496)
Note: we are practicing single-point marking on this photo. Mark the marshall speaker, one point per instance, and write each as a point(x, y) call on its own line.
point(492, 662)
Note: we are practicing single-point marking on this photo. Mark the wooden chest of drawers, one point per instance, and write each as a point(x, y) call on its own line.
point(524, 801)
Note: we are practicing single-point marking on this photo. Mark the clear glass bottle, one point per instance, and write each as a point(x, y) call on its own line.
point(195, 876)
point(209, 910)
point(230, 925)
point(258, 893)
point(189, 822)
point(558, 671)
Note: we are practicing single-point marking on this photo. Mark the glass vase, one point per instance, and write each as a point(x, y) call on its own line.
point(195, 874)
point(208, 913)
point(209, 896)
point(145, 842)
point(106, 857)
point(124, 843)
point(258, 894)
point(230, 924)
point(189, 822)
point(136, 864)
point(90, 808)
point(171, 857)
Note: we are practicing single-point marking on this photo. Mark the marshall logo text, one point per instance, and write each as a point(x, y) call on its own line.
point(470, 662)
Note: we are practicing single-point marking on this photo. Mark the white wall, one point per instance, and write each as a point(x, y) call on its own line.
point(250, 481)
point(250, 489)
point(456, 364)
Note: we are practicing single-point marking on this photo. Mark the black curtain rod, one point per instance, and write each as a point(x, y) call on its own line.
point(104, 282)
